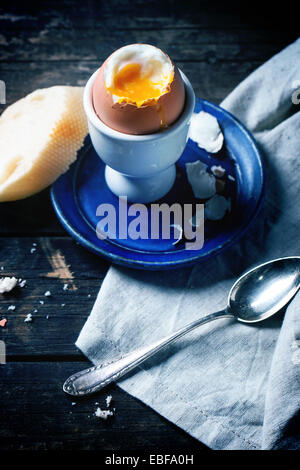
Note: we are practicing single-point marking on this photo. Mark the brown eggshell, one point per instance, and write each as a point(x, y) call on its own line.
point(130, 119)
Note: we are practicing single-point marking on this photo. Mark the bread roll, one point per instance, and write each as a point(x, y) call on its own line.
point(39, 139)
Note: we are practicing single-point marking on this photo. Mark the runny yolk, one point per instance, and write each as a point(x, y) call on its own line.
point(130, 83)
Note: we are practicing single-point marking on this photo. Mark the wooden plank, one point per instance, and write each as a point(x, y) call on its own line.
point(38, 415)
point(54, 259)
point(56, 324)
point(186, 44)
point(58, 318)
point(211, 80)
point(140, 14)
point(33, 215)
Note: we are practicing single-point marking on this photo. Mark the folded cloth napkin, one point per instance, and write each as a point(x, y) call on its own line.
point(230, 385)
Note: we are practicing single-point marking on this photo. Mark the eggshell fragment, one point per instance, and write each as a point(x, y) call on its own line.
point(150, 117)
point(216, 207)
point(218, 171)
point(205, 130)
point(203, 184)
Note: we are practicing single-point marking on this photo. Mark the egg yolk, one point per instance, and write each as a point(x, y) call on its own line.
point(131, 84)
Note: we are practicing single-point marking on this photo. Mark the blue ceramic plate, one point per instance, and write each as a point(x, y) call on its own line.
point(77, 194)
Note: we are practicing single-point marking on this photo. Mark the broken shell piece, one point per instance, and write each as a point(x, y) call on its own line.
point(231, 178)
point(203, 183)
point(3, 322)
point(206, 132)
point(179, 231)
point(7, 284)
point(216, 207)
point(218, 171)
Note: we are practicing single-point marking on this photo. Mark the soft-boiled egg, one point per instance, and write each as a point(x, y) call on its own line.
point(138, 90)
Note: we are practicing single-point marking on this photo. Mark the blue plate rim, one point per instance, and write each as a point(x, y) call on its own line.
point(169, 264)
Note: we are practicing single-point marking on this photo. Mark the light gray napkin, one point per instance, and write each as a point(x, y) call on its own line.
point(230, 385)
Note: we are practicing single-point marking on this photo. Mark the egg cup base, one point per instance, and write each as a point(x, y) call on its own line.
point(140, 190)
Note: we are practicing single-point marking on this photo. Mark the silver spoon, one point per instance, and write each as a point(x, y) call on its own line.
point(256, 295)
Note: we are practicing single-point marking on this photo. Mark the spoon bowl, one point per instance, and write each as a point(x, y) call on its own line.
point(264, 290)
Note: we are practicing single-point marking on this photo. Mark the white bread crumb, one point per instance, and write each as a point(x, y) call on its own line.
point(28, 318)
point(7, 284)
point(108, 400)
point(103, 414)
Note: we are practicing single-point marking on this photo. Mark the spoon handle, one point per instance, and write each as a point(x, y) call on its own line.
point(94, 378)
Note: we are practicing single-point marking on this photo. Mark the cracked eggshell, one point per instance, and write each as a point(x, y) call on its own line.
point(218, 171)
point(146, 119)
point(206, 132)
point(216, 207)
point(203, 184)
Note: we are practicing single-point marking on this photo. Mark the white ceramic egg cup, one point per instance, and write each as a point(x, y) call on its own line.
point(140, 167)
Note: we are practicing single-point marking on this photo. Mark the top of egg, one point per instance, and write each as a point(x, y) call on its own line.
point(138, 90)
point(138, 73)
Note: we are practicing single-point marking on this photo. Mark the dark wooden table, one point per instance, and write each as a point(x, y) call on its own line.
point(217, 46)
